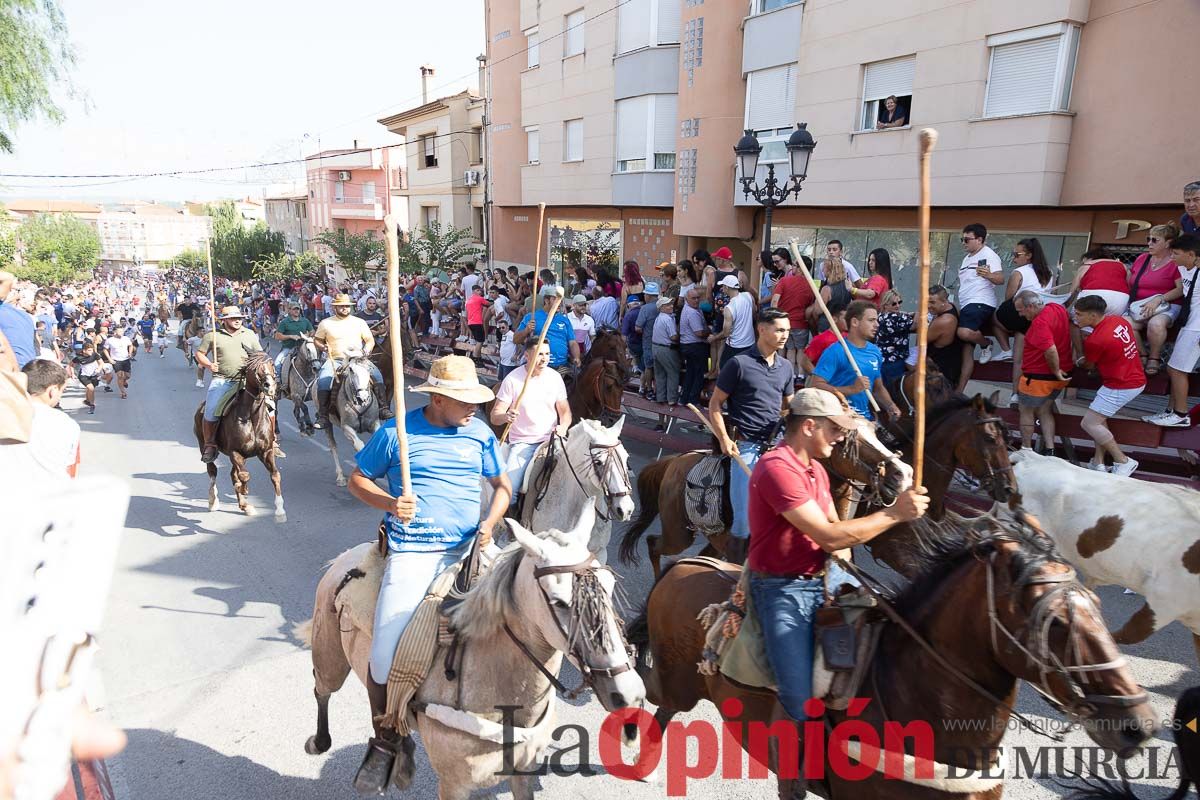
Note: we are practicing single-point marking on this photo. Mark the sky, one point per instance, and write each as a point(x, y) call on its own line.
point(166, 84)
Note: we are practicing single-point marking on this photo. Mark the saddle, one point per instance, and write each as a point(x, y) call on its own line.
point(707, 494)
point(537, 482)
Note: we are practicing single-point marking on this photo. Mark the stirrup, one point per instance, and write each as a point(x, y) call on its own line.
point(375, 772)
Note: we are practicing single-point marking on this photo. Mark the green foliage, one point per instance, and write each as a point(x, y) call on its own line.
point(235, 248)
point(56, 249)
point(435, 247)
point(309, 263)
point(8, 248)
point(355, 252)
point(35, 56)
point(189, 258)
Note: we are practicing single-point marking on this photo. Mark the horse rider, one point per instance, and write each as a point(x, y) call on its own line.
point(793, 530)
point(428, 530)
point(564, 350)
point(231, 343)
point(343, 335)
point(758, 386)
point(544, 411)
point(290, 332)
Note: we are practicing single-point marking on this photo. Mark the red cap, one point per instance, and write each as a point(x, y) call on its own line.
point(724, 253)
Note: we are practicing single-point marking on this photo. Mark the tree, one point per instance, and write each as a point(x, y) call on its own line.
point(189, 258)
point(56, 249)
point(435, 247)
point(356, 252)
point(236, 249)
point(8, 248)
point(35, 56)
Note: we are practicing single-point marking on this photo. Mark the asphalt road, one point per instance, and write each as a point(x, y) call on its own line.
point(199, 661)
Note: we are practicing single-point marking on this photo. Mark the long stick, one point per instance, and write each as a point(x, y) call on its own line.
point(394, 335)
point(927, 138)
point(537, 259)
point(828, 316)
point(708, 424)
point(529, 367)
point(212, 300)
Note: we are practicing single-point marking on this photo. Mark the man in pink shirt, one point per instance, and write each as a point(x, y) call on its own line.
point(543, 411)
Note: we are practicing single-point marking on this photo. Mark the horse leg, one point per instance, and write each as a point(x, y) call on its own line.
point(268, 460)
point(214, 497)
point(521, 786)
point(654, 551)
point(320, 741)
point(352, 437)
point(337, 463)
point(241, 483)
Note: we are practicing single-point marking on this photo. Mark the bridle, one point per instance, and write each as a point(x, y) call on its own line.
point(586, 590)
point(991, 480)
point(609, 413)
point(870, 490)
point(606, 463)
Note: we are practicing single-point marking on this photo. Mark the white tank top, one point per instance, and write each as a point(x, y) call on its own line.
point(742, 307)
point(1029, 280)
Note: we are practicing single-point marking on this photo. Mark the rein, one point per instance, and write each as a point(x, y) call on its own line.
point(871, 490)
point(602, 466)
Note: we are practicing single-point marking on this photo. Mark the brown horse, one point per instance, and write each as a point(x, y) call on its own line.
point(662, 489)
point(245, 431)
point(903, 390)
point(609, 345)
point(597, 392)
point(993, 604)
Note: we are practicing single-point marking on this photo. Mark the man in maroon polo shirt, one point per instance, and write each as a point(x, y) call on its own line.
point(793, 528)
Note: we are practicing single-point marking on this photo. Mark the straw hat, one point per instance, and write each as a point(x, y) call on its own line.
point(230, 312)
point(342, 300)
point(455, 377)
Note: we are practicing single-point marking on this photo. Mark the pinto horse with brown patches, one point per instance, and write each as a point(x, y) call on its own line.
point(993, 604)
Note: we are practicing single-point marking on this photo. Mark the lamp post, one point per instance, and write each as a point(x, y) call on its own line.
point(771, 193)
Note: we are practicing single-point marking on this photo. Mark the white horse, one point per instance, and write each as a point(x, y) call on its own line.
point(544, 597)
point(355, 408)
point(298, 379)
point(1121, 531)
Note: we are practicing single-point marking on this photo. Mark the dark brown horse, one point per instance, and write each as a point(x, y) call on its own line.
point(995, 604)
point(245, 431)
point(597, 392)
point(903, 390)
point(609, 345)
point(662, 490)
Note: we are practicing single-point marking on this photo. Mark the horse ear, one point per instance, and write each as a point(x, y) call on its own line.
point(994, 400)
point(618, 425)
point(977, 403)
point(526, 538)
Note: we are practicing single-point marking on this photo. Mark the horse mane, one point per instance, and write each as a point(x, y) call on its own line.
point(941, 546)
point(938, 414)
point(254, 361)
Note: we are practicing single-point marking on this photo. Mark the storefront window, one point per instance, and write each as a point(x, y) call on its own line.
point(587, 243)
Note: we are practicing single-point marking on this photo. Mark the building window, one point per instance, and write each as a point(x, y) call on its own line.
point(532, 54)
point(428, 151)
point(646, 23)
point(763, 6)
point(573, 33)
point(883, 80)
point(339, 192)
point(771, 109)
point(532, 145)
point(646, 132)
point(477, 222)
point(429, 215)
point(368, 192)
point(573, 140)
point(1031, 71)
point(476, 145)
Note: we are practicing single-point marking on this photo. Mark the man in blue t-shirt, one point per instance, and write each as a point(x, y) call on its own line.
point(835, 373)
point(560, 336)
point(428, 530)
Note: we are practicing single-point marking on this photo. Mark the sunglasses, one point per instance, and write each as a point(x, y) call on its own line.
point(967, 239)
point(1152, 239)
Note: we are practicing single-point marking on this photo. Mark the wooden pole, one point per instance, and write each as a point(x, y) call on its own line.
point(737, 457)
point(395, 329)
point(212, 299)
point(529, 367)
point(927, 138)
point(828, 316)
point(537, 259)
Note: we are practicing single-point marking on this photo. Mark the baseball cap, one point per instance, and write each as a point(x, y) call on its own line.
point(548, 291)
point(820, 403)
point(651, 287)
point(730, 282)
point(723, 252)
point(666, 301)
point(579, 299)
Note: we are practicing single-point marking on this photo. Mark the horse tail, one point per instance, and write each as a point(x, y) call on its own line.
point(649, 481)
point(303, 632)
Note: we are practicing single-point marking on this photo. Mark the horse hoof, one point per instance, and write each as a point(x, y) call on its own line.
point(249, 511)
point(214, 506)
point(317, 745)
point(281, 517)
point(340, 481)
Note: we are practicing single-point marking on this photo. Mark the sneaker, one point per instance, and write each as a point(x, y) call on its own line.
point(1004, 355)
point(986, 355)
point(91, 407)
point(1092, 465)
point(1014, 401)
point(1152, 418)
point(1126, 469)
point(199, 385)
point(108, 389)
point(1171, 420)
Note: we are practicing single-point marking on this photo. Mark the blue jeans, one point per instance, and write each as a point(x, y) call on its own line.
point(325, 376)
point(739, 488)
point(406, 578)
point(218, 387)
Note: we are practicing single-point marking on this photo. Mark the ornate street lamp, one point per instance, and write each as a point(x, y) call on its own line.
point(770, 194)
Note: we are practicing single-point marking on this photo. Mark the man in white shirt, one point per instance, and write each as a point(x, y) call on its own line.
point(582, 322)
point(469, 279)
point(738, 327)
point(978, 276)
point(54, 441)
point(834, 250)
point(119, 349)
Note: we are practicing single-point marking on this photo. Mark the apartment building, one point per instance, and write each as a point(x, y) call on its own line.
point(348, 189)
point(443, 178)
point(1042, 107)
point(286, 212)
point(135, 234)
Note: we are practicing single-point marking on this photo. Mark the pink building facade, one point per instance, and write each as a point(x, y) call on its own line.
point(350, 190)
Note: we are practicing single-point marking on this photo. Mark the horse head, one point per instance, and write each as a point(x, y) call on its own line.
point(601, 465)
point(258, 373)
point(309, 352)
point(861, 459)
point(356, 377)
point(577, 617)
point(980, 439)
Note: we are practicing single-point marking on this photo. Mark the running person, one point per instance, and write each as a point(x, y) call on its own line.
point(145, 327)
point(89, 368)
point(120, 349)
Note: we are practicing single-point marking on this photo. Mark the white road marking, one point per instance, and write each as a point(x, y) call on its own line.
point(291, 427)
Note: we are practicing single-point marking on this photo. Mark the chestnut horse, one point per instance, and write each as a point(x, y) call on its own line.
point(597, 392)
point(993, 604)
point(609, 345)
point(662, 490)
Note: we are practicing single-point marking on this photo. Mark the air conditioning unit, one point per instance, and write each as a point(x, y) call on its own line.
point(344, 175)
point(471, 177)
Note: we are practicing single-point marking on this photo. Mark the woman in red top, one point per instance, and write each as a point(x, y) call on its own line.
point(1112, 349)
point(879, 267)
point(1156, 291)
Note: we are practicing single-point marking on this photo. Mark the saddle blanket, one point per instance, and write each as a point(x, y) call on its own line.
point(705, 493)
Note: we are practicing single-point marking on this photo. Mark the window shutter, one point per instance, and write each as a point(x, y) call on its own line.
point(633, 25)
point(665, 113)
point(669, 24)
point(772, 100)
point(574, 139)
point(573, 28)
point(632, 119)
point(532, 55)
point(885, 78)
point(429, 145)
point(532, 144)
point(1022, 77)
